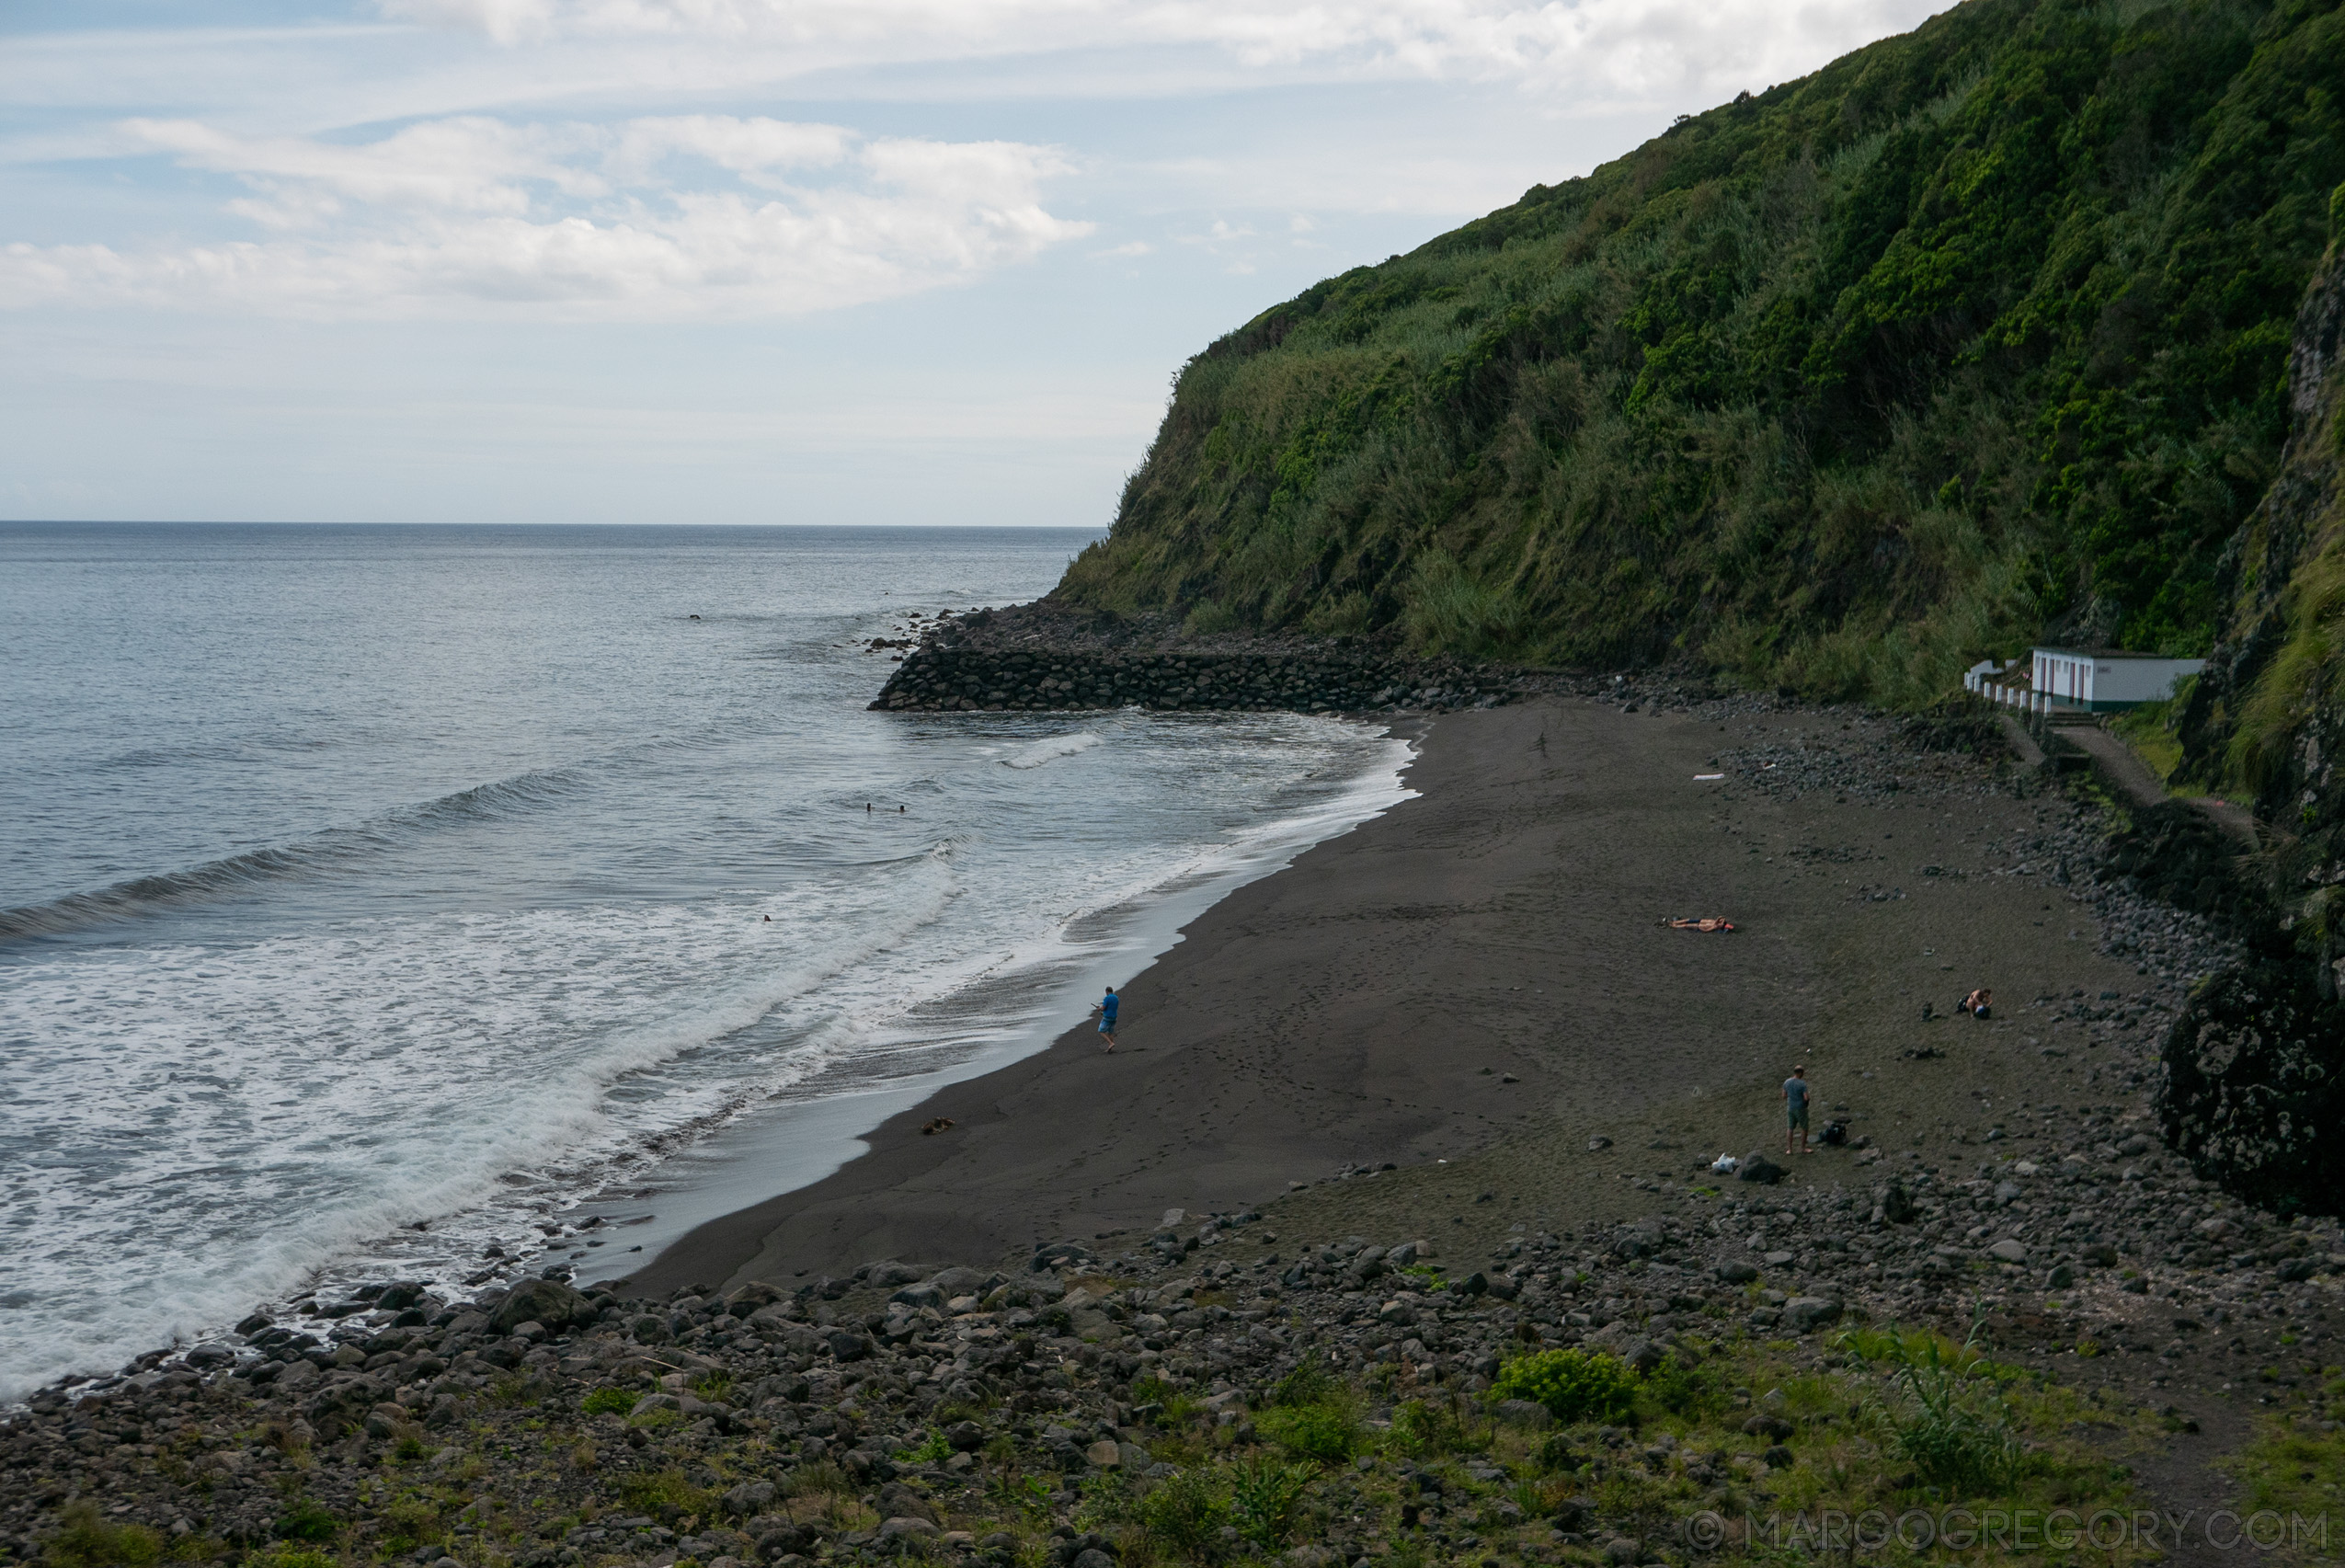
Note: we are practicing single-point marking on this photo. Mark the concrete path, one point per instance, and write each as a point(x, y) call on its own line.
point(2118, 765)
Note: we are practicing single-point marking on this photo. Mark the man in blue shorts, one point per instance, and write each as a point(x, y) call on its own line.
point(1795, 1109)
point(1107, 1006)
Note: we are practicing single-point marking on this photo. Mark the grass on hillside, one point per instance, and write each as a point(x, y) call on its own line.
point(1840, 386)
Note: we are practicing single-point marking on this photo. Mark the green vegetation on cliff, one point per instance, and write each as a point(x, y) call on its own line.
point(1841, 386)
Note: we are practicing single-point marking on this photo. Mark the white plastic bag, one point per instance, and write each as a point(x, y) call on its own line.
point(1726, 1165)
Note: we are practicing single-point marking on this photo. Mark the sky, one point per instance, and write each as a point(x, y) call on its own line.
point(741, 261)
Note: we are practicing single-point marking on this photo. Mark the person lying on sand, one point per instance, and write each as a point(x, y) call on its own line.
point(1795, 1109)
point(1978, 1002)
point(1708, 923)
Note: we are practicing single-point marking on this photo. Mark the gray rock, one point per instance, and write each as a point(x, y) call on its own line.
point(748, 1498)
point(963, 1282)
point(1891, 1202)
point(1643, 1355)
point(1736, 1273)
point(547, 1301)
point(2059, 1276)
point(846, 1345)
point(1522, 1413)
point(2010, 1250)
point(1804, 1314)
point(1757, 1167)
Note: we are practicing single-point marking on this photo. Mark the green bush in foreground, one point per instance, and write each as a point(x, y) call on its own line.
point(1184, 1513)
point(1265, 1499)
point(1328, 1433)
point(1574, 1385)
point(305, 1520)
point(88, 1541)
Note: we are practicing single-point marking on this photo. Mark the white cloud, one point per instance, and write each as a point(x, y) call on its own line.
point(1129, 248)
point(1614, 49)
point(702, 216)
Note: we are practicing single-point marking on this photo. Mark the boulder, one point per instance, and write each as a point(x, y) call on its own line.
point(547, 1301)
point(1757, 1167)
point(845, 1344)
point(2009, 1250)
point(2251, 1089)
point(1804, 1314)
point(757, 1293)
point(963, 1282)
point(1643, 1355)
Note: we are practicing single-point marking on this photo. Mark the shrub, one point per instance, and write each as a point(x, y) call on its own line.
point(610, 1402)
point(1184, 1513)
point(1306, 1384)
point(935, 1451)
point(88, 1541)
point(1426, 1430)
point(1954, 1439)
point(1265, 1499)
point(305, 1519)
point(666, 1493)
point(1328, 1433)
point(1555, 1452)
point(1574, 1385)
point(1680, 1390)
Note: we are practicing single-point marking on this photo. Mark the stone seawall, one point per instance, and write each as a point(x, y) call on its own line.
point(938, 677)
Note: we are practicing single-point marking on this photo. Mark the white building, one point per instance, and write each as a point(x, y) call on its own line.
point(2080, 680)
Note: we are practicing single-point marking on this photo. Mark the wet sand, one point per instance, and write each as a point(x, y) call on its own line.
point(1481, 977)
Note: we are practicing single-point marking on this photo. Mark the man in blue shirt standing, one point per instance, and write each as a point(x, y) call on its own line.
point(1107, 1006)
point(1795, 1109)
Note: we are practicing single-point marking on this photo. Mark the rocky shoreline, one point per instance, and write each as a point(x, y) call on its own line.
point(1042, 657)
point(1062, 1403)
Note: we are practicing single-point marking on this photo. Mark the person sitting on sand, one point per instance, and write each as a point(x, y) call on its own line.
point(1795, 1109)
point(1106, 1008)
point(1978, 1002)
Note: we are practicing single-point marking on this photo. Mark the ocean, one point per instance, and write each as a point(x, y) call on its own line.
point(392, 902)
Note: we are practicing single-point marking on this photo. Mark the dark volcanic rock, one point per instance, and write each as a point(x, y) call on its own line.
point(2255, 1085)
point(545, 1301)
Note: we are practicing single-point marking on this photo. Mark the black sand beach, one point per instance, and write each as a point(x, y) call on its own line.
point(1482, 976)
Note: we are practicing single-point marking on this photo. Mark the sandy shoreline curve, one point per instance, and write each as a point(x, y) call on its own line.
point(1483, 959)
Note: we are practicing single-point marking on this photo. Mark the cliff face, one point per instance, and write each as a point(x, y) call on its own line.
point(2254, 1069)
point(2270, 711)
point(1842, 385)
